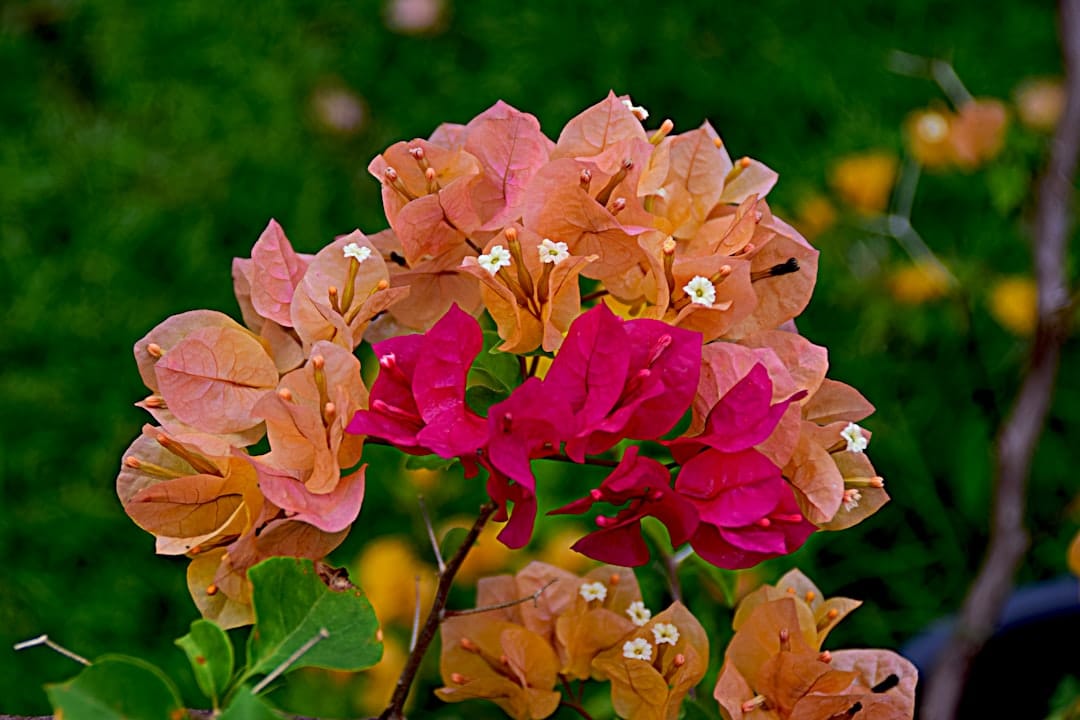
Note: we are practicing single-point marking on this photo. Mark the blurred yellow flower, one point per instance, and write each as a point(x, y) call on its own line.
point(968, 138)
point(1039, 103)
point(865, 181)
point(927, 136)
point(917, 283)
point(386, 571)
point(374, 693)
point(1013, 303)
point(814, 214)
point(556, 551)
point(487, 557)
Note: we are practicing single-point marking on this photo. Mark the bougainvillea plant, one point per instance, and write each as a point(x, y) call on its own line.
point(618, 297)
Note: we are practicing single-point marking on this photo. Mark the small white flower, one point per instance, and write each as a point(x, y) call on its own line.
point(639, 112)
point(638, 613)
point(499, 257)
point(360, 252)
point(856, 439)
point(553, 252)
point(593, 591)
point(665, 633)
point(637, 649)
point(701, 291)
point(851, 499)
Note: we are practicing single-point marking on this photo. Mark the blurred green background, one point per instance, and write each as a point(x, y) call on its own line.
point(143, 145)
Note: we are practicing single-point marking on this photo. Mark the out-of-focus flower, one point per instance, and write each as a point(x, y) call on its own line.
point(387, 570)
point(978, 132)
point(1013, 303)
point(339, 110)
point(918, 283)
point(416, 17)
point(380, 680)
point(865, 180)
point(814, 214)
point(556, 550)
point(927, 136)
point(487, 556)
point(967, 138)
point(1039, 103)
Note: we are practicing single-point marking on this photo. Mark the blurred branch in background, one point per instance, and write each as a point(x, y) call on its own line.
point(1020, 433)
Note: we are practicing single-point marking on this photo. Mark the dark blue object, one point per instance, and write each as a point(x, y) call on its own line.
point(1033, 649)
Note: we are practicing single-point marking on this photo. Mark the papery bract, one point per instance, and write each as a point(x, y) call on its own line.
point(417, 402)
point(631, 379)
point(654, 688)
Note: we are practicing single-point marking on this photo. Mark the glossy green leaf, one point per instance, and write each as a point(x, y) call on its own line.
point(211, 655)
point(452, 541)
point(480, 399)
point(495, 369)
point(292, 605)
point(722, 580)
point(245, 706)
point(429, 462)
point(116, 687)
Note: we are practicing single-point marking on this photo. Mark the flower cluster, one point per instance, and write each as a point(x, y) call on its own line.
point(774, 667)
point(640, 278)
point(580, 628)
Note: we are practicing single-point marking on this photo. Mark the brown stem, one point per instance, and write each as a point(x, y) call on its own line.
point(442, 592)
point(594, 296)
point(499, 606)
point(1020, 433)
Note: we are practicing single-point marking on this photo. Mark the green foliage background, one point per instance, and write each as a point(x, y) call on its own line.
point(143, 145)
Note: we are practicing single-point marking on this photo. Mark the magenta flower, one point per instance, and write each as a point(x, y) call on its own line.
point(631, 379)
point(417, 402)
point(644, 486)
point(525, 426)
point(747, 512)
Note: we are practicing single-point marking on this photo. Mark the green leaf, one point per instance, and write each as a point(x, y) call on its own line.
point(211, 656)
point(723, 580)
point(495, 369)
point(1008, 185)
point(117, 687)
point(429, 462)
point(245, 706)
point(452, 541)
point(480, 399)
point(693, 709)
point(292, 605)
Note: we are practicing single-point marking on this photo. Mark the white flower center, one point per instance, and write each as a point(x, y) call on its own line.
point(700, 291)
point(497, 257)
point(637, 649)
point(360, 252)
point(553, 252)
point(593, 591)
point(639, 614)
point(665, 633)
point(856, 439)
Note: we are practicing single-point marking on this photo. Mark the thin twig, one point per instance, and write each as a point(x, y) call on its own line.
point(594, 296)
point(44, 640)
point(393, 711)
point(416, 615)
point(431, 533)
point(535, 597)
point(288, 662)
point(599, 462)
point(1020, 433)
